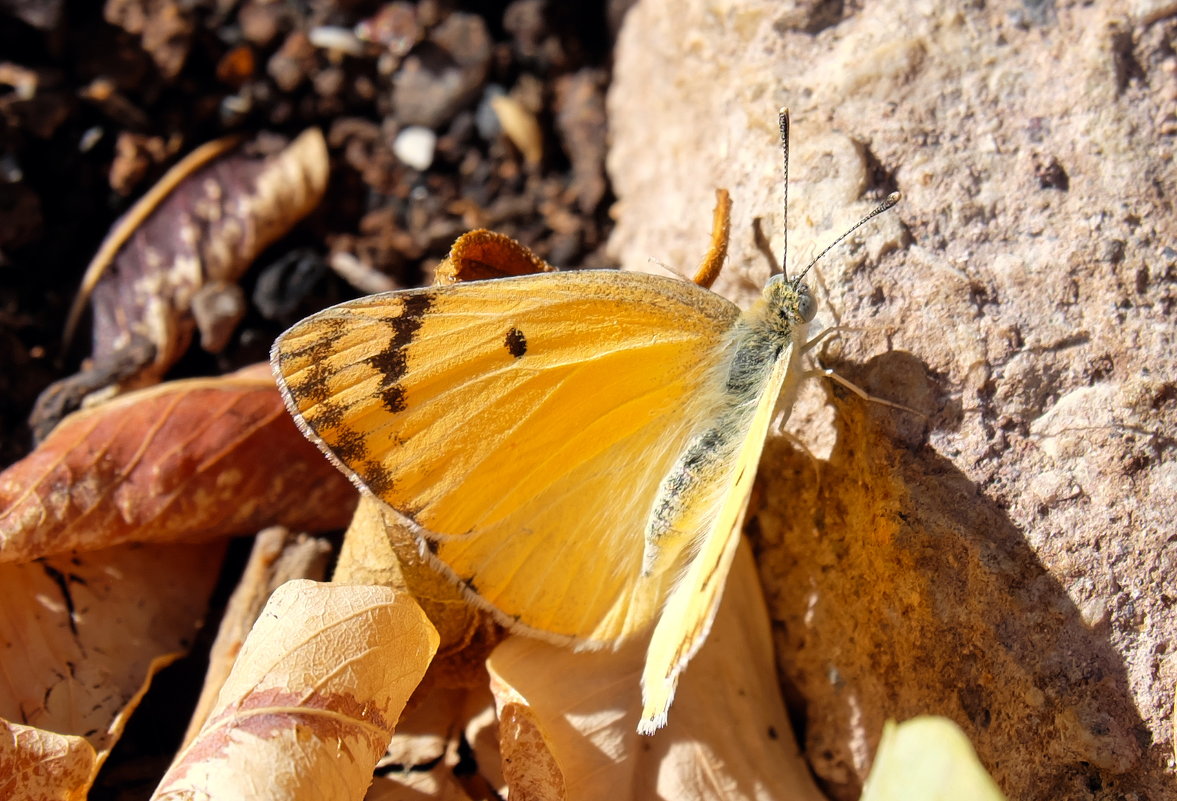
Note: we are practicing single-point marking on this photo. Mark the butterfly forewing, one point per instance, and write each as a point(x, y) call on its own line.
point(523, 424)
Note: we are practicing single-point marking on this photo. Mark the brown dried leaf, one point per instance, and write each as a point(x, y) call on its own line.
point(82, 636)
point(529, 766)
point(424, 755)
point(728, 736)
point(187, 460)
point(481, 254)
point(191, 236)
point(278, 556)
point(313, 698)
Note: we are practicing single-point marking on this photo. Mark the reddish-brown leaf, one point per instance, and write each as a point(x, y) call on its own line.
point(187, 460)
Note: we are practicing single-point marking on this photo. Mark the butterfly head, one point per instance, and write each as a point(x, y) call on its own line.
point(789, 301)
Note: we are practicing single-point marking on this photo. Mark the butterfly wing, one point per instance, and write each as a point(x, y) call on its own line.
point(522, 425)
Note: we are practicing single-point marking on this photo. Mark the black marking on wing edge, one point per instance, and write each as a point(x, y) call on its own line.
point(393, 360)
point(350, 446)
point(516, 343)
point(377, 478)
point(325, 415)
point(311, 386)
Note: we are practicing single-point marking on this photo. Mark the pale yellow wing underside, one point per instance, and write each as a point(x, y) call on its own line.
point(690, 609)
point(523, 424)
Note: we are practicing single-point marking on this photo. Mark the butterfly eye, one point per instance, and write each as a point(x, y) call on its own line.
point(806, 305)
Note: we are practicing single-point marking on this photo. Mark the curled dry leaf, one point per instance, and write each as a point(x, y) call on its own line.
point(728, 736)
point(928, 759)
point(186, 460)
point(313, 698)
point(378, 549)
point(278, 556)
point(481, 254)
point(184, 244)
point(81, 637)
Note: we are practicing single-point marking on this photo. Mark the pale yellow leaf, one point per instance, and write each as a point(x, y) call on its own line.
point(728, 736)
point(278, 556)
point(39, 765)
point(379, 549)
point(312, 700)
point(928, 759)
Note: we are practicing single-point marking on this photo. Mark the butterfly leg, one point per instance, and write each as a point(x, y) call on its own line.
point(859, 391)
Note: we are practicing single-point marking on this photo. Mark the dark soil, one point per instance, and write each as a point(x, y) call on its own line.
point(96, 103)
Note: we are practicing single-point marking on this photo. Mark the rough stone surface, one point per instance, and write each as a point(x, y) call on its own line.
point(1008, 560)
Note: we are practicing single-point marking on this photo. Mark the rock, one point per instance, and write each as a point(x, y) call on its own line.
point(443, 74)
point(415, 146)
point(1007, 560)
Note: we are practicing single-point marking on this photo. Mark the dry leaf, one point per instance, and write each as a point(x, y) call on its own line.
point(481, 254)
point(82, 636)
point(434, 785)
point(313, 698)
point(482, 735)
point(187, 460)
point(182, 247)
point(426, 754)
point(377, 549)
point(928, 759)
point(728, 738)
point(520, 126)
point(425, 730)
point(39, 765)
point(423, 752)
point(278, 556)
point(529, 766)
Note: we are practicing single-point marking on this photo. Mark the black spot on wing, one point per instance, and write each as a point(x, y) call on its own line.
point(516, 343)
point(392, 361)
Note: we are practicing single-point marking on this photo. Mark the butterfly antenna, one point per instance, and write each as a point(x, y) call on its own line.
point(783, 122)
point(887, 203)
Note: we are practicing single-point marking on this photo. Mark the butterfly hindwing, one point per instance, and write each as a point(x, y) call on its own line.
point(719, 503)
point(522, 424)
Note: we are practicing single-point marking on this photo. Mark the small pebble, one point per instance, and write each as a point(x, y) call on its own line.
point(340, 40)
point(415, 146)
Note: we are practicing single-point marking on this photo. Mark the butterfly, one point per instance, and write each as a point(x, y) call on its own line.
point(574, 449)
